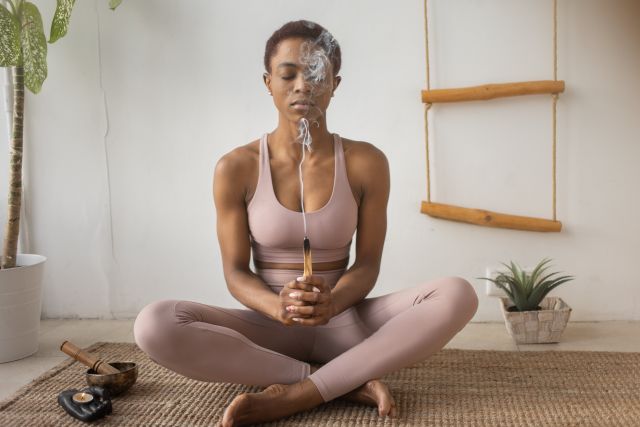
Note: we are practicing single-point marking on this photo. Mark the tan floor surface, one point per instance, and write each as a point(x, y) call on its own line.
point(581, 336)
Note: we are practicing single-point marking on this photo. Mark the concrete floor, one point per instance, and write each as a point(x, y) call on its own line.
point(581, 336)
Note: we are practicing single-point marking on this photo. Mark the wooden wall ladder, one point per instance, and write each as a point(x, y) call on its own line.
point(487, 92)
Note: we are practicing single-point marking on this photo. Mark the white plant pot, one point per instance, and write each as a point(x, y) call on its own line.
point(20, 307)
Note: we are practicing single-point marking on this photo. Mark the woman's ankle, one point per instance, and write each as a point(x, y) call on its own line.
point(312, 396)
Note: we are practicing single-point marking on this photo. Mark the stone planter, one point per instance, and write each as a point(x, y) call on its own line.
point(20, 307)
point(536, 326)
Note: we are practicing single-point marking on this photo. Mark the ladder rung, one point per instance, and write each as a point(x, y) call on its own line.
point(490, 91)
point(488, 218)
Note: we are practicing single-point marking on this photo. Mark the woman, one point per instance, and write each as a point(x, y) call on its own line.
point(310, 339)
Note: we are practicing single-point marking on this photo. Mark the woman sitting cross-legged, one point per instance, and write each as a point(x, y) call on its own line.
point(307, 339)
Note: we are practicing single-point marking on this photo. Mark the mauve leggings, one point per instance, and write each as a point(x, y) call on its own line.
point(369, 340)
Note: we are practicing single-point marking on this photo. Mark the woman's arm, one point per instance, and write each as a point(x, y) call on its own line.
point(229, 193)
point(372, 171)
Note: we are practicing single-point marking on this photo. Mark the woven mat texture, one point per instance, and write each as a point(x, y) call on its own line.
point(451, 388)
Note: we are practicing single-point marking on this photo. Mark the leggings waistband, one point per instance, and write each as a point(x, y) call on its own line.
point(277, 278)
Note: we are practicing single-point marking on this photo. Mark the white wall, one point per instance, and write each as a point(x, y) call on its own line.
point(141, 102)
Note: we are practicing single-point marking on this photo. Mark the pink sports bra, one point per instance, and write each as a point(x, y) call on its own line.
point(277, 232)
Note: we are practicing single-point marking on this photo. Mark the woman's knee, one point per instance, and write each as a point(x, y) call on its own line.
point(152, 329)
point(461, 295)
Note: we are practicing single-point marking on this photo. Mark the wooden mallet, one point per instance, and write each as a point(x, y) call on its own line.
point(85, 358)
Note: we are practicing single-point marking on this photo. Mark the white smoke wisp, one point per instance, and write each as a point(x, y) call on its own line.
point(306, 142)
point(315, 60)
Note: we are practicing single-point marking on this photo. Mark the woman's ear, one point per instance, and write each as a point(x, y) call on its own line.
point(266, 77)
point(336, 82)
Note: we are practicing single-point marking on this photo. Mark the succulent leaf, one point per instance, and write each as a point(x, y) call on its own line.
point(538, 270)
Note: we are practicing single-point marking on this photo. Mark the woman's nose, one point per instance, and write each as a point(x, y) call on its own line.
point(302, 84)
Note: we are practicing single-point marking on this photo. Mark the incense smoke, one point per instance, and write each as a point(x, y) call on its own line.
point(316, 65)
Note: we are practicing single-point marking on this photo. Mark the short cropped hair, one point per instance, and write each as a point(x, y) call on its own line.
point(306, 30)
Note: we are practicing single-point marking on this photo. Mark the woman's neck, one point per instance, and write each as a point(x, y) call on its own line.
point(285, 139)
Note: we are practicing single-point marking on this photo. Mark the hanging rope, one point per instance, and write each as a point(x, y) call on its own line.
point(555, 40)
point(426, 45)
point(555, 101)
point(428, 105)
point(555, 98)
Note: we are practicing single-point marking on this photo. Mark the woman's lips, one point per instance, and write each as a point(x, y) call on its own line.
point(301, 106)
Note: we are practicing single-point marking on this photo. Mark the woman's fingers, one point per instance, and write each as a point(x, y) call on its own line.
point(306, 310)
point(294, 284)
point(313, 279)
point(311, 321)
point(324, 286)
point(308, 283)
point(297, 300)
point(317, 282)
point(308, 289)
point(312, 297)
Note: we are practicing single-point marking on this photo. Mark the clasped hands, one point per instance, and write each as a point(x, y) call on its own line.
point(300, 304)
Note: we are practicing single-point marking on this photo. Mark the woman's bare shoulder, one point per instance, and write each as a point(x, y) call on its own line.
point(363, 153)
point(367, 167)
point(239, 161)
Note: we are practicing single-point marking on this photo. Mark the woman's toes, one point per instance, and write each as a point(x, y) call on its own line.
point(393, 413)
point(384, 407)
point(381, 411)
point(387, 404)
point(237, 405)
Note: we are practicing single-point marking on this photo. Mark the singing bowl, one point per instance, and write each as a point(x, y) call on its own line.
point(118, 383)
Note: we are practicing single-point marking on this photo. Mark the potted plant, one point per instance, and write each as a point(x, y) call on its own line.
point(23, 52)
point(530, 316)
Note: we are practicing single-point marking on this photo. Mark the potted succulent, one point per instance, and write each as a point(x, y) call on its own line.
point(23, 52)
point(530, 316)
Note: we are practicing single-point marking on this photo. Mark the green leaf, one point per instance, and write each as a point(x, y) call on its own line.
point(538, 270)
point(114, 3)
point(546, 279)
point(9, 38)
point(60, 23)
point(527, 283)
point(519, 293)
point(518, 274)
point(500, 283)
point(541, 291)
point(34, 48)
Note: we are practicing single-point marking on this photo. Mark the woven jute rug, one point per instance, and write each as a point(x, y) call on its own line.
point(451, 388)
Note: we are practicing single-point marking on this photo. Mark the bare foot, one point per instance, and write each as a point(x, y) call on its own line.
point(274, 402)
point(372, 393)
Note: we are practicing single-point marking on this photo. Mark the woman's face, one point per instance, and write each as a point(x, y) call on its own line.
point(296, 95)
